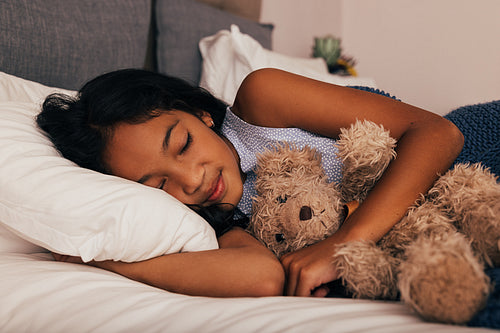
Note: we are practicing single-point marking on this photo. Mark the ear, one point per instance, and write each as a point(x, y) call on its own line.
point(206, 118)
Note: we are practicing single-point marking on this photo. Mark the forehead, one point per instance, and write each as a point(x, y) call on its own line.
point(132, 146)
point(126, 134)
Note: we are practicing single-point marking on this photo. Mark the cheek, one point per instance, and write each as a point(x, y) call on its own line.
point(179, 195)
point(127, 163)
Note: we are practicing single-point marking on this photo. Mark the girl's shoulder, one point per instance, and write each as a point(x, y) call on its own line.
point(258, 98)
point(274, 98)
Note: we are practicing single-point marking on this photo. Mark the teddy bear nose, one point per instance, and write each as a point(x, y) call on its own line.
point(305, 213)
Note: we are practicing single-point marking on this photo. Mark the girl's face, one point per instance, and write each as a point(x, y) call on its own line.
point(180, 154)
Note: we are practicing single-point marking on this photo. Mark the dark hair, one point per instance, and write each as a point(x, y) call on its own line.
point(221, 217)
point(80, 126)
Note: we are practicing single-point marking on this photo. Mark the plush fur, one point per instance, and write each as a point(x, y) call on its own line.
point(283, 174)
point(433, 259)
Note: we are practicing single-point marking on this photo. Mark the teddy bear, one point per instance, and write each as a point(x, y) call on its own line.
point(433, 259)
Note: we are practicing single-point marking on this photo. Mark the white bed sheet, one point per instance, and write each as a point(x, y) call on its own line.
point(40, 295)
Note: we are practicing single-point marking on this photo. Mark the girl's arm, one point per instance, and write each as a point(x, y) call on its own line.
point(241, 267)
point(427, 145)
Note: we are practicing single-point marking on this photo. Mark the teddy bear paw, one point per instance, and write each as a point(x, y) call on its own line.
point(442, 280)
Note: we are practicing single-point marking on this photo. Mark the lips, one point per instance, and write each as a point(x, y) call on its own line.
point(216, 190)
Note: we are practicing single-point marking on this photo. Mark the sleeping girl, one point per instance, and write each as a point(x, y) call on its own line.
point(165, 133)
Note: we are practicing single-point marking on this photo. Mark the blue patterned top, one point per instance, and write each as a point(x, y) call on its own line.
point(249, 140)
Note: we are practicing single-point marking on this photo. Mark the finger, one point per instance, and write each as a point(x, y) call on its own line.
point(67, 258)
point(321, 291)
point(59, 257)
point(304, 286)
point(309, 281)
point(291, 278)
point(291, 285)
point(74, 260)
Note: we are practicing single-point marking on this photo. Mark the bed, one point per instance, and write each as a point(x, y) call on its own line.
point(49, 204)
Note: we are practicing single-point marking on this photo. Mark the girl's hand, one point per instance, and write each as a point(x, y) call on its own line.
point(308, 270)
point(66, 258)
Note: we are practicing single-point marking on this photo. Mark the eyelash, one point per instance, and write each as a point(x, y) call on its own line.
point(183, 150)
point(162, 184)
point(188, 143)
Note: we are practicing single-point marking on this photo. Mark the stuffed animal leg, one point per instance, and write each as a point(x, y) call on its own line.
point(442, 280)
point(471, 195)
point(370, 270)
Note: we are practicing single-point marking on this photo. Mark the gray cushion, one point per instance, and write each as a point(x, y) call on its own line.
point(180, 26)
point(64, 43)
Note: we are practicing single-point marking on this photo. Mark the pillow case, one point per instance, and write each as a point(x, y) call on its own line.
point(229, 56)
point(180, 26)
point(65, 43)
point(51, 202)
point(13, 88)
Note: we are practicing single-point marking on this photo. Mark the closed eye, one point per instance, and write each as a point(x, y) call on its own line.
point(186, 146)
point(162, 183)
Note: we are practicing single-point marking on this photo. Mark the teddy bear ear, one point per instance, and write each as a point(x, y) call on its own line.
point(284, 158)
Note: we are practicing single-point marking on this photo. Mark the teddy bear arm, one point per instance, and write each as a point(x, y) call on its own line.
point(366, 270)
point(366, 150)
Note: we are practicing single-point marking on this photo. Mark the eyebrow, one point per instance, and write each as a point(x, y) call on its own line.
point(166, 141)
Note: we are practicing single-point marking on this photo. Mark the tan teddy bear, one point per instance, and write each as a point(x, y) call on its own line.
point(434, 258)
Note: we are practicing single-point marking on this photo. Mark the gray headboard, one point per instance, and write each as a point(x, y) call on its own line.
point(64, 43)
point(180, 26)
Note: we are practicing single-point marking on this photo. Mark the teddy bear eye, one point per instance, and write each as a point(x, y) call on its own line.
point(282, 199)
point(279, 237)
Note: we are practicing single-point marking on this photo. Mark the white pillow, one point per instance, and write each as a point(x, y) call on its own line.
point(57, 205)
point(13, 88)
point(229, 56)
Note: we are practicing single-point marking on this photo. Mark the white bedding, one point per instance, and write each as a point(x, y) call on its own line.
point(40, 295)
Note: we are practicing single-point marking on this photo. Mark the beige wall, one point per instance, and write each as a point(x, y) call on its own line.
point(297, 22)
point(436, 54)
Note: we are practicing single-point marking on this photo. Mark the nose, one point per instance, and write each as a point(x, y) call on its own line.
point(305, 213)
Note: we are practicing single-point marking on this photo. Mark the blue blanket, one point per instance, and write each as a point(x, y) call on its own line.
point(480, 125)
point(490, 315)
